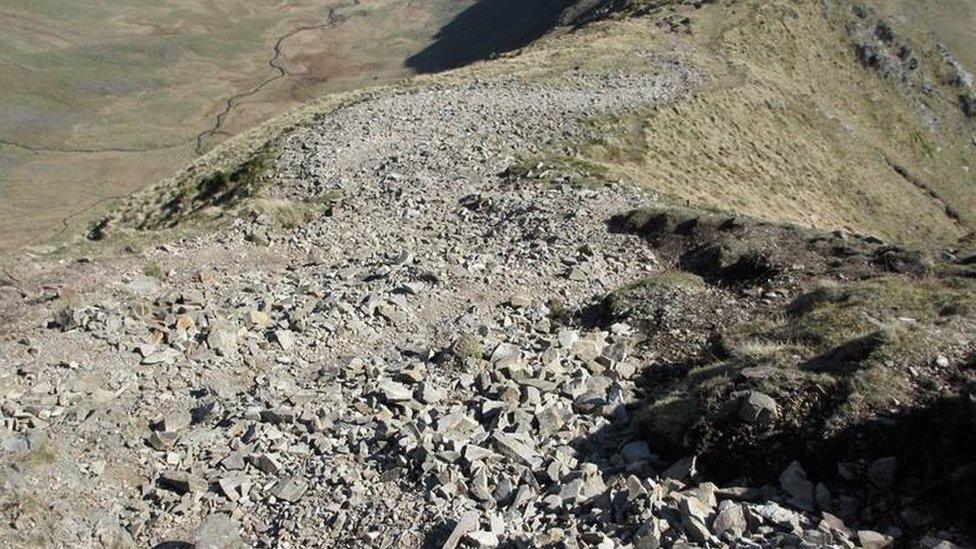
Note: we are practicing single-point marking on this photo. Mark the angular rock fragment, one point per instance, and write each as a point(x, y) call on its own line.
point(730, 519)
point(223, 338)
point(516, 449)
point(482, 539)
point(289, 489)
point(219, 531)
point(882, 471)
point(182, 482)
point(468, 523)
point(758, 407)
point(394, 391)
point(635, 452)
point(794, 482)
point(869, 539)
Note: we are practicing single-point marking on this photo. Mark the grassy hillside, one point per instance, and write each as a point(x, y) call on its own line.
point(798, 124)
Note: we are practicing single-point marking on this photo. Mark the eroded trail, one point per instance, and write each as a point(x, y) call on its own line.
point(399, 371)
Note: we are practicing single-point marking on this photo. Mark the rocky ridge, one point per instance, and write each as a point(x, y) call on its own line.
point(407, 369)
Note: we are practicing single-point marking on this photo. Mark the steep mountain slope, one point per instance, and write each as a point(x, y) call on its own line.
point(604, 291)
point(817, 114)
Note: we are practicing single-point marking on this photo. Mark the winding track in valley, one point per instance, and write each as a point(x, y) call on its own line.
point(229, 104)
point(234, 100)
point(334, 19)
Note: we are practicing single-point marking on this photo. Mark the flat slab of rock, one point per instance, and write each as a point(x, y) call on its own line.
point(515, 449)
point(290, 489)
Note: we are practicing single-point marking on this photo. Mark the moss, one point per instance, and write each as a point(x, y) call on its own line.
point(968, 102)
point(219, 189)
point(468, 346)
point(627, 298)
point(669, 279)
point(41, 455)
point(190, 201)
point(833, 314)
point(656, 222)
point(667, 419)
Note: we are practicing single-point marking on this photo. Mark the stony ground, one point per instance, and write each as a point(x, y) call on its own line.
point(401, 372)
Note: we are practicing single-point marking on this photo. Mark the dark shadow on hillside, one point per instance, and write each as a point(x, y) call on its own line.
point(487, 28)
point(933, 446)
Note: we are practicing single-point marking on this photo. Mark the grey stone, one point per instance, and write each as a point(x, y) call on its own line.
point(16, 444)
point(682, 469)
point(778, 515)
point(697, 531)
point(162, 440)
point(593, 485)
point(218, 532)
point(636, 451)
point(550, 419)
point(265, 463)
point(515, 449)
point(290, 489)
point(758, 407)
point(882, 472)
point(223, 338)
point(479, 485)
point(869, 539)
point(161, 356)
point(589, 348)
point(182, 482)
point(465, 525)
point(143, 285)
point(692, 507)
point(482, 539)
point(233, 488)
point(234, 461)
point(430, 393)
point(648, 536)
point(932, 542)
point(589, 402)
point(278, 416)
point(285, 339)
point(832, 523)
point(567, 338)
point(793, 481)
point(176, 421)
point(458, 426)
point(731, 519)
point(505, 353)
point(394, 391)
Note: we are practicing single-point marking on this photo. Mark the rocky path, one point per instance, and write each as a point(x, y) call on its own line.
point(402, 372)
